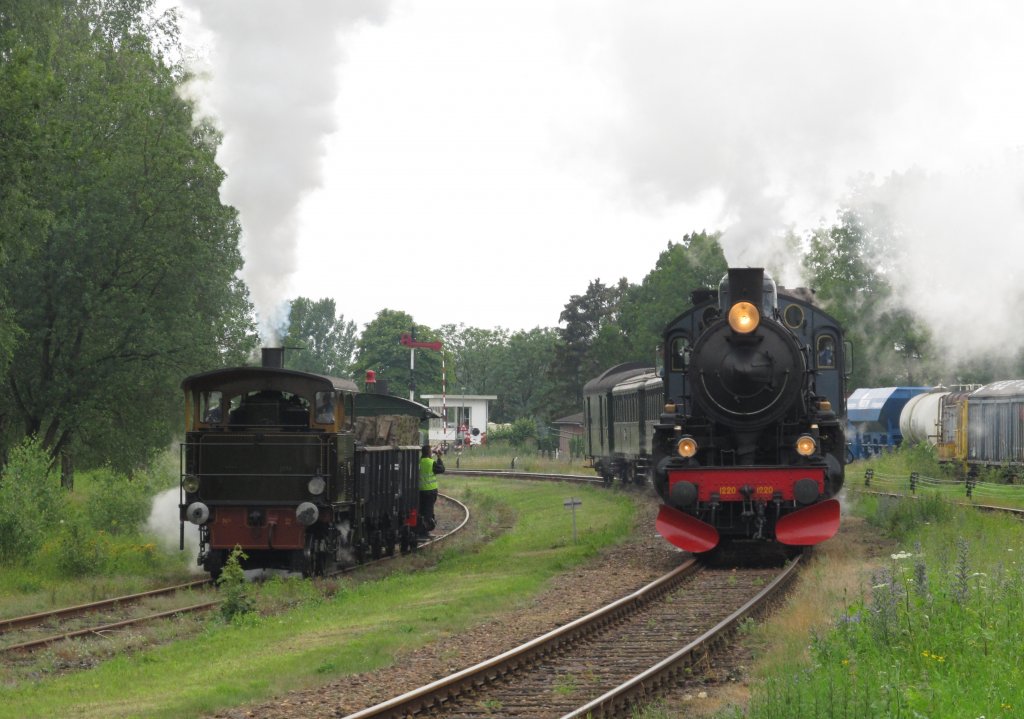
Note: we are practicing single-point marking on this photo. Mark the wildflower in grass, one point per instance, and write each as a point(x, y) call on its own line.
point(901, 555)
point(850, 618)
point(921, 579)
point(961, 588)
point(885, 602)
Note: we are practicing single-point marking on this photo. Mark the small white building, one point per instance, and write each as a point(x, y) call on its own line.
point(466, 415)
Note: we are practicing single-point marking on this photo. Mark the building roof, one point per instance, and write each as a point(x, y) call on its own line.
point(571, 419)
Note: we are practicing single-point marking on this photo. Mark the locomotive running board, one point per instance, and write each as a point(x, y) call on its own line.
point(684, 531)
point(809, 526)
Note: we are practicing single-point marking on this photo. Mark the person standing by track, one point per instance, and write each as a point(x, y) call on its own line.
point(429, 469)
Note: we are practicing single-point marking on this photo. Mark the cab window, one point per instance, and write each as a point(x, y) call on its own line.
point(209, 407)
point(680, 353)
point(325, 407)
point(826, 352)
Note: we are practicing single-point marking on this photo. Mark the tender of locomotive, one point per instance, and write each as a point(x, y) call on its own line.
point(750, 444)
point(301, 471)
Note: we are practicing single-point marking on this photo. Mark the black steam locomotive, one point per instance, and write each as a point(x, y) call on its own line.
point(301, 471)
point(747, 441)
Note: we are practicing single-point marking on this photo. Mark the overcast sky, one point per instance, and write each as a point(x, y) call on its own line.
point(478, 162)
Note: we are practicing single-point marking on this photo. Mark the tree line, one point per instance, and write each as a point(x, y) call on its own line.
point(119, 265)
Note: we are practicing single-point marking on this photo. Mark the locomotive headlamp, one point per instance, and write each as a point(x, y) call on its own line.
point(744, 317)
point(316, 486)
point(686, 447)
point(805, 445)
point(190, 483)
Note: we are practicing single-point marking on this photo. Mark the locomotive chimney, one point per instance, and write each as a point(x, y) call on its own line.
point(273, 357)
point(746, 285)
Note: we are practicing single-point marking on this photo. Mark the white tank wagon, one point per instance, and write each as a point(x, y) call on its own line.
point(921, 417)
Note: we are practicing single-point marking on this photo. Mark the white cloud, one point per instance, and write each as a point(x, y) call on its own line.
point(484, 161)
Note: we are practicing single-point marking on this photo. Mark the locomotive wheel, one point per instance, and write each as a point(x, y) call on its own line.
point(607, 479)
point(389, 543)
point(376, 544)
point(310, 558)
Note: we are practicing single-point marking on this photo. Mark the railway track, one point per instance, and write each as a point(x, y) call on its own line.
point(606, 663)
point(42, 629)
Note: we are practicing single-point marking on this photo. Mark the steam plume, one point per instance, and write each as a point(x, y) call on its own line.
point(271, 85)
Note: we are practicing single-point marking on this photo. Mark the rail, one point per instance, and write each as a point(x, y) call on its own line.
point(539, 652)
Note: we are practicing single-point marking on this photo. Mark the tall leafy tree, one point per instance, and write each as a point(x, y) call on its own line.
point(379, 349)
point(585, 316)
point(473, 357)
point(318, 339)
point(694, 262)
point(523, 383)
point(130, 278)
point(848, 266)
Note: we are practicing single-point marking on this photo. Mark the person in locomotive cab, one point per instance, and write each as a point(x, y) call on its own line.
point(324, 407)
point(429, 469)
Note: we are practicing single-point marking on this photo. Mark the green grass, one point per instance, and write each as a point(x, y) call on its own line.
point(934, 632)
point(995, 486)
point(96, 547)
point(500, 456)
point(365, 626)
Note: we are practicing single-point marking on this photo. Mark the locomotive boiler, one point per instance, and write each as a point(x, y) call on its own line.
point(301, 471)
point(750, 443)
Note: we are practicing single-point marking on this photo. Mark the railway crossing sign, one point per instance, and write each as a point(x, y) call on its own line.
point(572, 503)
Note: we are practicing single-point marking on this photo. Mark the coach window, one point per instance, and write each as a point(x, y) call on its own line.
point(680, 353)
point(826, 352)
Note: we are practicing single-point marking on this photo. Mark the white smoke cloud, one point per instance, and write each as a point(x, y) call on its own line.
point(531, 135)
point(777, 106)
point(960, 263)
point(270, 83)
point(164, 525)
